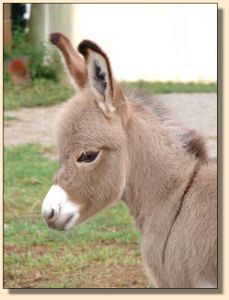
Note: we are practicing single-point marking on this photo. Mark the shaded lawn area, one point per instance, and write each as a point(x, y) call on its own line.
point(40, 92)
point(103, 253)
point(44, 92)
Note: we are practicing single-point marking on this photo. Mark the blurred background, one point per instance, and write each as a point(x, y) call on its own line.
point(156, 42)
point(168, 50)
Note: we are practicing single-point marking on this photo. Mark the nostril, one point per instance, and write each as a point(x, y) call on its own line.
point(51, 214)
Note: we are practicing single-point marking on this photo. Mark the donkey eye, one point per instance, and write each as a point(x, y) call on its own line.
point(87, 157)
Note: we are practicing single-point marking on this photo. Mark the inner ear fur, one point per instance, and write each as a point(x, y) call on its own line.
point(84, 48)
point(100, 75)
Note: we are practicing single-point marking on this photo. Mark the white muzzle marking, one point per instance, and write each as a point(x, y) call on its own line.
point(58, 211)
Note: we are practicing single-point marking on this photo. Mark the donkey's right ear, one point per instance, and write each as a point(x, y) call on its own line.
point(100, 77)
point(75, 63)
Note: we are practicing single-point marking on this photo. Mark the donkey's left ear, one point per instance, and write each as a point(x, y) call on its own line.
point(100, 76)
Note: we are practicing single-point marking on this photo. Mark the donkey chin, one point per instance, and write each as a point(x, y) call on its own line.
point(58, 211)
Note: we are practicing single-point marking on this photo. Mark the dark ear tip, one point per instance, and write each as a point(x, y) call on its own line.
point(55, 37)
point(86, 44)
point(82, 48)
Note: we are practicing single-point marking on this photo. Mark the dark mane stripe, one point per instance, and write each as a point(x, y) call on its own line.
point(193, 142)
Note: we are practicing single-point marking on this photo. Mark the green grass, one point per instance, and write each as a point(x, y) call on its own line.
point(104, 252)
point(43, 92)
point(10, 119)
point(171, 87)
point(40, 92)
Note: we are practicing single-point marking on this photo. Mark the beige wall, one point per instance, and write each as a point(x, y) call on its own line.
point(47, 18)
point(176, 42)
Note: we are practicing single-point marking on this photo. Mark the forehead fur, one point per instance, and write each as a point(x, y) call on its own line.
point(82, 125)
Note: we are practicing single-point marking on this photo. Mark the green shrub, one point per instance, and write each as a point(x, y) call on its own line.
point(35, 54)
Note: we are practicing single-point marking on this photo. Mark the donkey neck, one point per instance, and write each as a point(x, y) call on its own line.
point(158, 170)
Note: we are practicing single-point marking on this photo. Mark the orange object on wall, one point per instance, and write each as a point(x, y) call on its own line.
point(18, 71)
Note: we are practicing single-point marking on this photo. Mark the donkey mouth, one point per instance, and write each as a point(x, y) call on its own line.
point(64, 225)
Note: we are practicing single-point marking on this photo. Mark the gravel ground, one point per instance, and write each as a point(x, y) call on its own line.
point(197, 111)
point(36, 125)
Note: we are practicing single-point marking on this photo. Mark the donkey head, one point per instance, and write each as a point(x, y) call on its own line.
point(91, 139)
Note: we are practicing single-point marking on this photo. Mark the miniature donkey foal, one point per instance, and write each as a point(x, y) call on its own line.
point(111, 148)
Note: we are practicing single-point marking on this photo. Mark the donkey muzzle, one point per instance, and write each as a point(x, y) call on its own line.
point(58, 211)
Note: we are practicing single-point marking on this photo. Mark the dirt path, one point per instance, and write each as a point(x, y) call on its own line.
point(197, 111)
point(36, 125)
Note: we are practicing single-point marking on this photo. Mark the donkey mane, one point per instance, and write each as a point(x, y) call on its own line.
point(193, 142)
